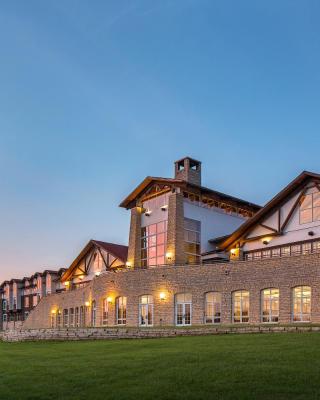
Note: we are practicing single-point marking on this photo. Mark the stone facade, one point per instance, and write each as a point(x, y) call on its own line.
point(175, 236)
point(134, 251)
point(253, 276)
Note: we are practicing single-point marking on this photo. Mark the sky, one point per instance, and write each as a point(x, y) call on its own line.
point(96, 95)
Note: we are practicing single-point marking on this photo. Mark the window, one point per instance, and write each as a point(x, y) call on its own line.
point(301, 304)
point(121, 310)
point(183, 309)
point(295, 249)
point(4, 305)
point(306, 248)
point(93, 313)
point(285, 251)
point(213, 308)
point(192, 232)
point(105, 312)
point(153, 244)
point(26, 314)
point(26, 302)
point(65, 318)
point(59, 319)
point(76, 315)
point(310, 207)
point(82, 319)
point(34, 300)
point(4, 318)
point(71, 317)
point(146, 310)
point(240, 302)
point(270, 305)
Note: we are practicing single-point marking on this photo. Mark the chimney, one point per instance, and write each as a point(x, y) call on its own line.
point(188, 170)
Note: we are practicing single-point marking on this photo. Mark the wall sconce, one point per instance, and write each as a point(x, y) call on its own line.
point(311, 233)
point(164, 207)
point(233, 252)
point(81, 277)
point(97, 273)
point(67, 283)
point(109, 300)
point(87, 304)
point(169, 256)
point(148, 213)
point(128, 264)
point(53, 311)
point(162, 296)
point(266, 241)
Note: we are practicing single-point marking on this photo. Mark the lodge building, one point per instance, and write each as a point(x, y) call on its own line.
point(197, 256)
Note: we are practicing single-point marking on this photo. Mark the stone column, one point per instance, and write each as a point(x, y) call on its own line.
point(134, 251)
point(175, 238)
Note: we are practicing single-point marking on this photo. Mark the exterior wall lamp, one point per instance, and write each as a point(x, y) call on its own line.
point(87, 304)
point(162, 296)
point(97, 273)
point(169, 256)
point(109, 300)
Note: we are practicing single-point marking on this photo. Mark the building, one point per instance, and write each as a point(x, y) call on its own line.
point(197, 256)
point(20, 296)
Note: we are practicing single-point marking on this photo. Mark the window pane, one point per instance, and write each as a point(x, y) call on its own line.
point(305, 216)
point(306, 201)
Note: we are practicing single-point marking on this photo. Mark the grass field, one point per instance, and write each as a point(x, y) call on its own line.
point(268, 366)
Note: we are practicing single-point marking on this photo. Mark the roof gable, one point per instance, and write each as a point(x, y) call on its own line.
point(270, 220)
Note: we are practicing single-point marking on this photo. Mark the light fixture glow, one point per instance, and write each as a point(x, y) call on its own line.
point(162, 296)
point(97, 273)
point(53, 311)
point(87, 304)
point(67, 283)
point(169, 255)
point(81, 277)
point(109, 299)
point(128, 264)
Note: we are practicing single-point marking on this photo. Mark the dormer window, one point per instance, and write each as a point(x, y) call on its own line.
point(310, 207)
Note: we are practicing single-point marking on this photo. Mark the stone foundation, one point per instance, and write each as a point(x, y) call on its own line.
point(147, 333)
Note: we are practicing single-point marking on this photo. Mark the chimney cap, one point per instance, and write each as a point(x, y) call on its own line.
point(188, 158)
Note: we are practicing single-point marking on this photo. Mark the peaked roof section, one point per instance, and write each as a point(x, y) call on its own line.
point(117, 250)
point(289, 190)
point(128, 201)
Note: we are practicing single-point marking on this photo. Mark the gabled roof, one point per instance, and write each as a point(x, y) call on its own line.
point(128, 202)
point(278, 200)
point(117, 250)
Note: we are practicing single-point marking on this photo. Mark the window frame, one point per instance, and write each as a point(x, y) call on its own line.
point(121, 310)
point(241, 316)
point(270, 314)
point(214, 319)
point(301, 304)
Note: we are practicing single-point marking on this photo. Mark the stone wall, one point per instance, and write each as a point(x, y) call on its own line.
point(140, 333)
point(282, 273)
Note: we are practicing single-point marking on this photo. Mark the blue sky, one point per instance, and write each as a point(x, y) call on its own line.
point(95, 95)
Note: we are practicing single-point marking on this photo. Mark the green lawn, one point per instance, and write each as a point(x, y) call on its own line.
point(261, 366)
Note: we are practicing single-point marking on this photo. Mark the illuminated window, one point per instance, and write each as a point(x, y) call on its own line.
point(183, 309)
point(146, 310)
point(285, 251)
point(310, 207)
point(76, 316)
point(275, 252)
point(306, 248)
point(213, 308)
point(301, 304)
point(59, 319)
point(71, 317)
point(192, 233)
point(153, 244)
point(296, 249)
point(34, 300)
point(270, 305)
point(93, 313)
point(240, 306)
point(82, 318)
point(105, 312)
point(121, 310)
point(26, 302)
point(65, 318)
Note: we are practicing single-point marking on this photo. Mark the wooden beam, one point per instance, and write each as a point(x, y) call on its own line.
point(269, 227)
point(104, 261)
point(292, 210)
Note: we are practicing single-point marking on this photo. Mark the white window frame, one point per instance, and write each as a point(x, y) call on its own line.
point(184, 305)
point(271, 315)
point(213, 307)
point(301, 314)
point(123, 319)
point(241, 316)
point(148, 306)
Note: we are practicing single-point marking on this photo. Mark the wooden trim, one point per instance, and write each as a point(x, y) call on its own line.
point(269, 227)
point(261, 237)
point(104, 261)
point(293, 209)
point(89, 262)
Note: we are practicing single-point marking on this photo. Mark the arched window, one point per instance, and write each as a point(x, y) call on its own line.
point(93, 313)
point(301, 299)
point(121, 310)
point(183, 309)
point(213, 308)
point(240, 306)
point(146, 310)
point(270, 305)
